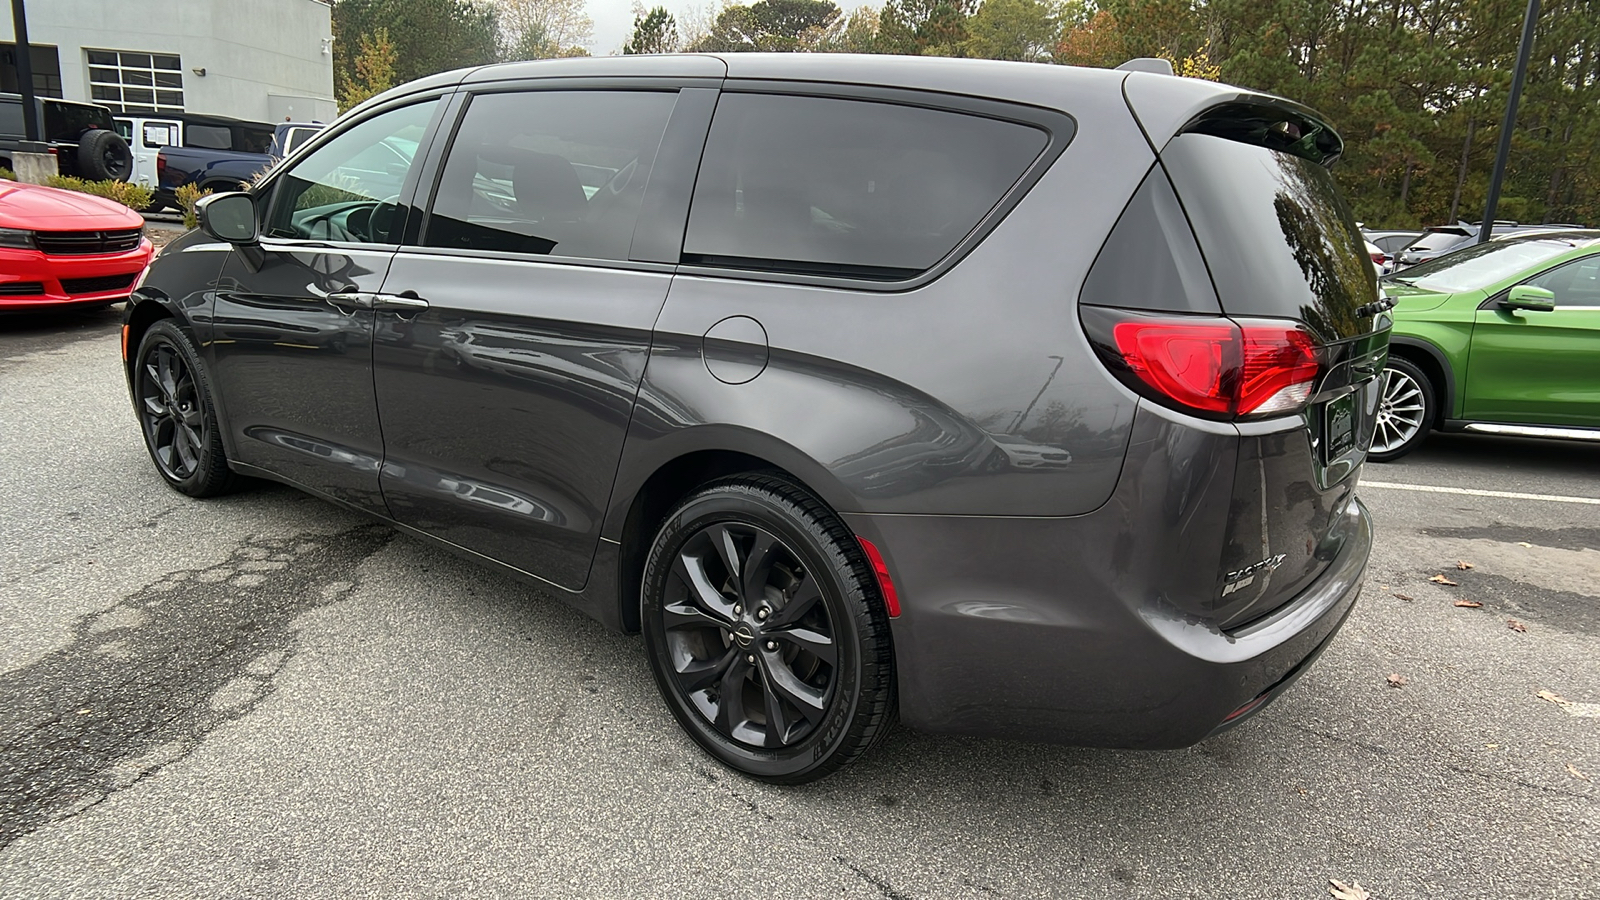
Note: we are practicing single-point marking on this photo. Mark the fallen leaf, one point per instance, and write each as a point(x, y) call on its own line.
point(1344, 891)
point(1440, 579)
point(1516, 626)
point(1463, 565)
point(1406, 597)
point(1491, 746)
point(1553, 697)
point(1571, 770)
point(1398, 680)
point(1469, 604)
point(1524, 544)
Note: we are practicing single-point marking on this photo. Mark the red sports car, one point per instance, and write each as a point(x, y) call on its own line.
point(62, 248)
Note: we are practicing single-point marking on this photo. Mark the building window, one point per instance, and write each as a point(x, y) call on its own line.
point(130, 82)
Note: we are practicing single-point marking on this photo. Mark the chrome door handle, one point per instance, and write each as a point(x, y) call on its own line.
point(351, 300)
point(401, 303)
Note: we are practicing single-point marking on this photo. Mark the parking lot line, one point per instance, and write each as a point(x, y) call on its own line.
point(1470, 492)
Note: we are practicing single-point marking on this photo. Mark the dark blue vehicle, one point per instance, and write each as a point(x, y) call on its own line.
point(219, 154)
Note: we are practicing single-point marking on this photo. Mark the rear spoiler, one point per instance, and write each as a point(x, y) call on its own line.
point(1166, 107)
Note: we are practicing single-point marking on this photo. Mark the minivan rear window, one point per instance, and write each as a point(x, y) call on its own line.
point(851, 188)
point(1277, 236)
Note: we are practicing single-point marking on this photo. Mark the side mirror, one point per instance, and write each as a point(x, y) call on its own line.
point(229, 217)
point(1530, 298)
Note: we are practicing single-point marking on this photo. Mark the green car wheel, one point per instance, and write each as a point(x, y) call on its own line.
point(1406, 411)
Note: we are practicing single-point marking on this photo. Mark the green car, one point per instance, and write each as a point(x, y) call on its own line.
point(1501, 337)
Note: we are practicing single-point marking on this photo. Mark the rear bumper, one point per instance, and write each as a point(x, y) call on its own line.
point(30, 280)
point(1022, 628)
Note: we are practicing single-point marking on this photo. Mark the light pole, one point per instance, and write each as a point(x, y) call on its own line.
point(30, 111)
point(1517, 77)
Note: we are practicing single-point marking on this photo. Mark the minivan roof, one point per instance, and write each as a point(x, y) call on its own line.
point(1164, 104)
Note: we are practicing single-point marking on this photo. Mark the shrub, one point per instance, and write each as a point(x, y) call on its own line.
point(134, 196)
point(187, 196)
point(7, 175)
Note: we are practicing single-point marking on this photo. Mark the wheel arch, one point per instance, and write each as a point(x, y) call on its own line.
point(143, 311)
point(642, 503)
point(1431, 360)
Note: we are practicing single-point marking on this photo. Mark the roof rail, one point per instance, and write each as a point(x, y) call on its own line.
point(1152, 64)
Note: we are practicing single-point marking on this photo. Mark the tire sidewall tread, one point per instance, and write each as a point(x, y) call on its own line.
point(812, 530)
point(212, 477)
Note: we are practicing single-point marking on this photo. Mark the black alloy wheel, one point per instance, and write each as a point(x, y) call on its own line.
point(765, 631)
point(172, 396)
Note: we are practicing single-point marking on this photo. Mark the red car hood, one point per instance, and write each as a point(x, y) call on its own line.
point(40, 208)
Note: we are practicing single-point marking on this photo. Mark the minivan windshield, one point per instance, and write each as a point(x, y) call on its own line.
point(1480, 265)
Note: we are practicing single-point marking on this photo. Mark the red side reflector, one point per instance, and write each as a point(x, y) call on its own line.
point(1247, 707)
point(885, 583)
point(124, 343)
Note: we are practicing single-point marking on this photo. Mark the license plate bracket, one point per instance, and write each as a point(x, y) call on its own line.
point(1338, 427)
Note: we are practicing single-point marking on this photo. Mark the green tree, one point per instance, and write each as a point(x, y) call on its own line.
point(428, 35)
point(540, 29)
point(783, 26)
point(1021, 30)
point(924, 27)
point(374, 66)
point(653, 32)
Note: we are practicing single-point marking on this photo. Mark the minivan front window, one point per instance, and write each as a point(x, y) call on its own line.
point(1476, 267)
point(346, 190)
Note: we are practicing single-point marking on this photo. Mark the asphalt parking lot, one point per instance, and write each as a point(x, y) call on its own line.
point(265, 696)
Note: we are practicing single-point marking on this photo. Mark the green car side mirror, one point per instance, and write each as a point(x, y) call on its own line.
point(1528, 297)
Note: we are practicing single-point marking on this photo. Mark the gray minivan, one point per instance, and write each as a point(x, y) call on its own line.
point(1001, 398)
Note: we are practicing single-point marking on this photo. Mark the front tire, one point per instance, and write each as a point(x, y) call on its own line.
point(1406, 411)
point(765, 631)
point(172, 396)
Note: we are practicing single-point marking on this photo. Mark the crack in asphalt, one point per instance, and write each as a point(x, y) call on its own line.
point(142, 683)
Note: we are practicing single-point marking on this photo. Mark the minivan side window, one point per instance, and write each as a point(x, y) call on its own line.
point(847, 187)
point(348, 188)
point(549, 172)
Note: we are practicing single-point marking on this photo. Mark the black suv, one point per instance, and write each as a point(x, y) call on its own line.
point(82, 136)
point(1014, 399)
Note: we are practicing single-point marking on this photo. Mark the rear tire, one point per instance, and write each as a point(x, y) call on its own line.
point(1406, 411)
point(765, 631)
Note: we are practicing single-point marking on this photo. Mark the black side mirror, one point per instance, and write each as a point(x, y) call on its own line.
point(229, 217)
point(1530, 298)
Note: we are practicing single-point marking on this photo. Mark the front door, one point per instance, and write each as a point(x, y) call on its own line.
point(505, 389)
point(1540, 368)
point(292, 340)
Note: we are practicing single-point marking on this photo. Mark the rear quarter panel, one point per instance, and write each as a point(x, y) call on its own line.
point(892, 402)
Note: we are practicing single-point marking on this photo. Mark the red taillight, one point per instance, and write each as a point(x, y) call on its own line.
point(1220, 366)
point(1190, 363)
point(1280, 366)
point(1378, 258)
point(891, 600)
point(161, 165)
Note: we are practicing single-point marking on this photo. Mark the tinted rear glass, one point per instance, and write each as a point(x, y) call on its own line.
point(1279, 239)
point(847, 187)
point(11, 117)
point(549, 172)
point(1437, 240)
point(66, 121)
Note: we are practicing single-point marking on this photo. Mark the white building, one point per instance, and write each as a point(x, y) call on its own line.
point(263, 60)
